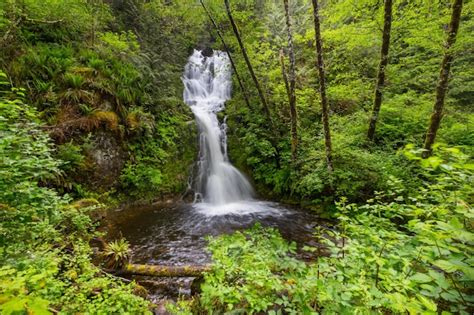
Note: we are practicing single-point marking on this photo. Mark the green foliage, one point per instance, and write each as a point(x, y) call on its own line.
point(125, 42)
point(250, 269)
point(117, 253)
point(140, 122)
point(55, 21)
point(71, 155)
point(45, 256)
point(401, 252)
point(16, 286)
point(141, 179)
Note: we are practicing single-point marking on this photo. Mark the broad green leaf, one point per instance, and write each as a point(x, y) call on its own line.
point(446, 265)
point(421, 278)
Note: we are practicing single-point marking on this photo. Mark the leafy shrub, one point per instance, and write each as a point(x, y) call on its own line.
point(250, 270)
point(71, 155)
point(458, 131)
point(141, 179)
point(357, 173)
point(403, 120)
point(126, 42)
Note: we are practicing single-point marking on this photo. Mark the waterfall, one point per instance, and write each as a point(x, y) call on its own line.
point(207, 86)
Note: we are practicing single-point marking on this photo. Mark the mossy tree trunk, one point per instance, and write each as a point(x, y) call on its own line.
point(266, 108)
point(163, 271)
point(283, 72)
point(322, 86)
point(382, 66)
point(291, 86)
point(442, 87)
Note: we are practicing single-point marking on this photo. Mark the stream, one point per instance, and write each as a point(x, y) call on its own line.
point(176, 233)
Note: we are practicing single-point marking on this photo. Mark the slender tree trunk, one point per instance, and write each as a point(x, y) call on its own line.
point(291, 87)
point(322, 86)
point(382, 66)
point(442, 87)
point(247, 61)
point(242, 88)
point(283, 73)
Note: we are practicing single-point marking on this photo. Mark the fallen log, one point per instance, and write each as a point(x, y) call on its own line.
point(163, 271)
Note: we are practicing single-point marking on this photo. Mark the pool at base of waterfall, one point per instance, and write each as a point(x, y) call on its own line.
point(176, 234)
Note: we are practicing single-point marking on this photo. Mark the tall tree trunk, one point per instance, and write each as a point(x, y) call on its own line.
point(242, 88)
point(437, 114)
point(247, 61)
point(283, 73)
point(322, 86)
point(382, 66)
point(291, 87)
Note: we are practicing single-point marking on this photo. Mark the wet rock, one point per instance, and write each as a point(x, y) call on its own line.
point(196, 285)
point(107, 158)
point(207, 51)
point(140, 291)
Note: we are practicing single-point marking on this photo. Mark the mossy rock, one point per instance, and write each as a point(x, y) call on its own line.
point(140, 291)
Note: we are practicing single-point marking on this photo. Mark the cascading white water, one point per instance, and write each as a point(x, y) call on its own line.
point(207, 86)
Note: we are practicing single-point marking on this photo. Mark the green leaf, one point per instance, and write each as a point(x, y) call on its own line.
point(429, 304)
point(38, 306)
point(14, 306)
point(446, 265)
point(421, 278)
